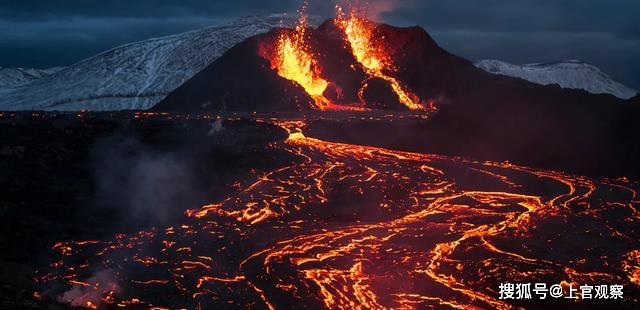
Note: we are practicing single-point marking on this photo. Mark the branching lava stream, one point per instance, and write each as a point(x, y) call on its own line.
point(350, 226)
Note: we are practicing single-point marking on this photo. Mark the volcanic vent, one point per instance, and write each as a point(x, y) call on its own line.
point(348, 63)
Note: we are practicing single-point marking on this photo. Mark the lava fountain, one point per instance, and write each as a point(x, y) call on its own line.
point(292, 57)
point(372, 55)
point(294, 61)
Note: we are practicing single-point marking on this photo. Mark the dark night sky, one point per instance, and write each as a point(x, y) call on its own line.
point(43, 33)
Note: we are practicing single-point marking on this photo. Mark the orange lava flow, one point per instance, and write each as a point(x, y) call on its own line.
point(348, 226)
point(294, 61)
point(373, 56)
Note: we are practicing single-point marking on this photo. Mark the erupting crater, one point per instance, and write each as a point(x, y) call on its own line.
point(347, 63)
point(373, 55)
point(293, 58)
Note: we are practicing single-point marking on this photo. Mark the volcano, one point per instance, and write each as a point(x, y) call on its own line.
point(481, 115)
point(243, 80)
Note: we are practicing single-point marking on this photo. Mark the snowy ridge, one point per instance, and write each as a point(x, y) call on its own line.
point(19, 76)
point(573, 74)
point(137, 75)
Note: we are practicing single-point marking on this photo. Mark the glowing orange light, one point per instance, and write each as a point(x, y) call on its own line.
point(372, 55)
point(294, 61)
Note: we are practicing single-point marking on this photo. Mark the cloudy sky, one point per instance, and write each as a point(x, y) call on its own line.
point(44, 33)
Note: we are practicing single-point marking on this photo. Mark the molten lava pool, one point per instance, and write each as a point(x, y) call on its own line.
point(351, 226)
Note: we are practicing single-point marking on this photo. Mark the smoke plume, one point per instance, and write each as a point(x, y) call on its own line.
point(144, 185)
point(91, 292)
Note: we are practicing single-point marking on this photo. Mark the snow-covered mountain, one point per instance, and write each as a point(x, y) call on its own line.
point(572, 74)
point(19, 76)
point(136, 75)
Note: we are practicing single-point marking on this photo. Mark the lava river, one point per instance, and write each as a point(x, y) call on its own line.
point(349, 226)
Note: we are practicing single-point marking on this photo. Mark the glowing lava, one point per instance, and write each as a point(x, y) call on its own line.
point(372, 55)
point(293, 60)
point(350, 226)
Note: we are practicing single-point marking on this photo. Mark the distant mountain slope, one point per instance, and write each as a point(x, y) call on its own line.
point(572, 74)
point(136, 75)
point(18, 76)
